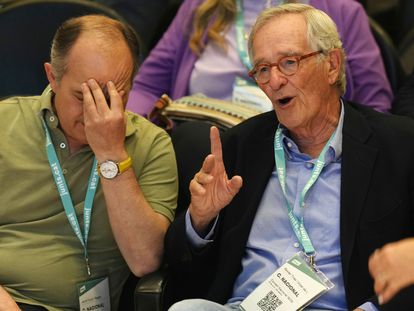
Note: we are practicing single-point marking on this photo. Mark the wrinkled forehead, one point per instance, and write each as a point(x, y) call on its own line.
point(92, 58)
point(282, 35)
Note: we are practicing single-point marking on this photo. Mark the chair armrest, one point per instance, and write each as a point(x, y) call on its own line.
point(151, 292)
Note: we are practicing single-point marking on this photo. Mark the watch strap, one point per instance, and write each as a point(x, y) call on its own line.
point(124, 165)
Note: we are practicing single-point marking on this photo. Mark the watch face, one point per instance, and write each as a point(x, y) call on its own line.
point(109, 169)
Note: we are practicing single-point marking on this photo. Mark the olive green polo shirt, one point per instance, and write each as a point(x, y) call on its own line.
point(41, 259)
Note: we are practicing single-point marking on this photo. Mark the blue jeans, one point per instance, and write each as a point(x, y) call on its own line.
point(201, 305)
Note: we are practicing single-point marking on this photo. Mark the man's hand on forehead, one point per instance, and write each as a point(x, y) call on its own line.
point(104, 89)
point(105, 125)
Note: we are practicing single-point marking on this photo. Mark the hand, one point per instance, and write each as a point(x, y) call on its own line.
point(211, 190)
point(105, 125)
point(392, 268)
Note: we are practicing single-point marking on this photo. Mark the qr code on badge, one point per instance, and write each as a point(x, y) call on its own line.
point(270, 302)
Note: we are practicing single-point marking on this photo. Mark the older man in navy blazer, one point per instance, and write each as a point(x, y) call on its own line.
point(341, 171)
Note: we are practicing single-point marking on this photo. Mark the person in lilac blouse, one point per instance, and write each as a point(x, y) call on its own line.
point(212, 66)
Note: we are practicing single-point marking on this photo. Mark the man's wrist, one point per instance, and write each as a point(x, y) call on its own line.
point(109, 169)
point(201, 225)
point(113, 156)
point(194, 239)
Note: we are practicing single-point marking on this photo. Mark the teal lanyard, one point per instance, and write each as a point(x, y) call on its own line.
point(66, 198)
point(298, 224)
point(240, 36)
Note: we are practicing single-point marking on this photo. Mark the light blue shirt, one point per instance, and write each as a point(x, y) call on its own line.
point(272, 240)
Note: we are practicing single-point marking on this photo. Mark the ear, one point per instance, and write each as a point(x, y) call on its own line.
point(51, 76)
point(335, 63)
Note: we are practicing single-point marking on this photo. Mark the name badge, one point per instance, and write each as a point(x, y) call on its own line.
point(94, 295)
point(246, 93)
point(291, 287)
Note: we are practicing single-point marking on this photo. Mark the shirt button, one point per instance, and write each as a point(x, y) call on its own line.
point(52, 118)
point(62, 145)
point(309, 165)
point(296, 245)
point(64, 171)
point(289, 144)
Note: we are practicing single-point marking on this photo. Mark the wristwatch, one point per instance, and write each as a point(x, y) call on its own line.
point(110, 169)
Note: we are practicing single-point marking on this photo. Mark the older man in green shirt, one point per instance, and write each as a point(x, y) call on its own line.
point(88, 189)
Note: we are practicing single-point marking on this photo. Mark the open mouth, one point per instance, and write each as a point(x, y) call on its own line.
point(284, 101)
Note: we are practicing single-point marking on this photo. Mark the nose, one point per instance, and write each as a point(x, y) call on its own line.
point(276, 79)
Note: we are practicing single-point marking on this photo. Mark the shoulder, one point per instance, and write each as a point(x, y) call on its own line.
point(17, 101)
point(139, 126)
point(381, 124)
point(191, 4)
point(337, 6)
point(187, 8)
point(13, 108)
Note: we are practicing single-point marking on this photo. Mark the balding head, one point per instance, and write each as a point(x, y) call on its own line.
point(106, 33)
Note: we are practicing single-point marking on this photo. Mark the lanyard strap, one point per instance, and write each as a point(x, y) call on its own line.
point(65, 195)
point(241, 35)
point(298, 224)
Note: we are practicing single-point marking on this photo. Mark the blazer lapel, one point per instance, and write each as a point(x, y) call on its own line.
point(255, 163)
point(358, 159)
point(257, 169)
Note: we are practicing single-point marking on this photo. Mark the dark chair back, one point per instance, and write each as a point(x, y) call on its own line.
point(393, 67)
point(27, 28)
point(406, 51)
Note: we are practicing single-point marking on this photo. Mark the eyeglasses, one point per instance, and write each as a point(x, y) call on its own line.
point(287, 65)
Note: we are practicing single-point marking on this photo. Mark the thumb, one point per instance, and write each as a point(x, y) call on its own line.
point(235, 183)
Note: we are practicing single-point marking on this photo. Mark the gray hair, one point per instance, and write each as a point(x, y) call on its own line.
point(108, 29)
point(322, 34)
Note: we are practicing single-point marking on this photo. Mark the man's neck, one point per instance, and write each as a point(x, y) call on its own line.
point(312, 139)
point(74, 146)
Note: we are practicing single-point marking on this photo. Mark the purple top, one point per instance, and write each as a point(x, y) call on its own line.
point(169, 66)
point(215, 69)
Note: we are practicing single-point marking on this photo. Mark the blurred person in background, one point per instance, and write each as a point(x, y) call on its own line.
point(204, 51)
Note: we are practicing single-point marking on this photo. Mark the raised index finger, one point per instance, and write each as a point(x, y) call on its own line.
point(215, 144)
